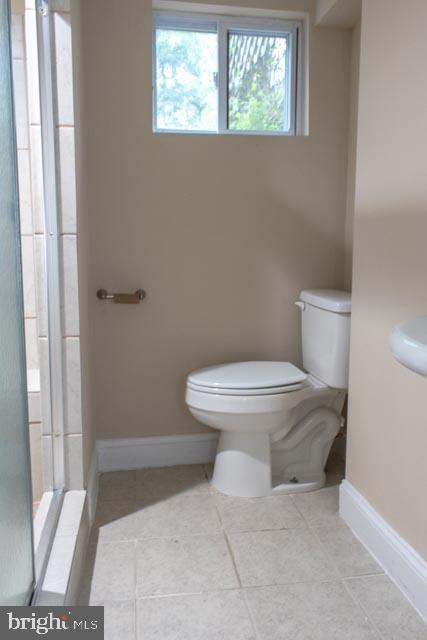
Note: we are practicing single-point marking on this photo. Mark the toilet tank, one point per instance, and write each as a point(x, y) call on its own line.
point(325, 332)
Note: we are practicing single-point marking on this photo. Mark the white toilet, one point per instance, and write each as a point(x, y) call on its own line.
point(278, 422)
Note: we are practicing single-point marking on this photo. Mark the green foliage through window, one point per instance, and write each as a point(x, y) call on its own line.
point(256, 82)
point(216, 75)
point(187, 69)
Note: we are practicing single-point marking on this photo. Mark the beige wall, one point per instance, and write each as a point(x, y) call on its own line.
point(222, 232)
point(387, 440)
point(338, 13)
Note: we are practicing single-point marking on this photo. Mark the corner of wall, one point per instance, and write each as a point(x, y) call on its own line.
point(352, 154)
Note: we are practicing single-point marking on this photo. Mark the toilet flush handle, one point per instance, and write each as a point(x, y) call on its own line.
point(300, 304)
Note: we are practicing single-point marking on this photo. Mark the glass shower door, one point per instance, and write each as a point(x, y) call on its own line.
point(16, 546)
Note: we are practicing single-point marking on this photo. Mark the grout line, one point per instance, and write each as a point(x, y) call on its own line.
point(366, 575)
point(135, 618)
point(180, 594)
point(233, 559)
point(363, 610)
point(284, 585)
point(135, 560)
point(294, 502)
point(251, 616)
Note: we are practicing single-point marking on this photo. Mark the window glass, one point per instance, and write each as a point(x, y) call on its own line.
point(186, 80)
point(258, 98)
point(225, 74)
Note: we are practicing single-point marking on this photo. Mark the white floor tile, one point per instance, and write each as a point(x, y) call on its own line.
point(159, 518)
point(258, 514)
point(321, 611)
point(111, 572)
point(184, 565)
point(349, 555)
point(117, 485)
point(213, 616)
point(280, 557)
point(388, 609)
point(319, 508)
point(158, 538)
point(171, 481)
point(119, 620)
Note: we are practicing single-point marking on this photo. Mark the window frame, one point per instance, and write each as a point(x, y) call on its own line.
point(223, 25)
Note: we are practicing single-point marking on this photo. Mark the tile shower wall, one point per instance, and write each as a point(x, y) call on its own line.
point(25, 122)
point(66, 181)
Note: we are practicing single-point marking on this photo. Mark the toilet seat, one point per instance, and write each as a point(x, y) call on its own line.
point(248, 379)
point(263, 391)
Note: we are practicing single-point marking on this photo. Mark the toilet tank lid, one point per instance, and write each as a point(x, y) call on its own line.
point(328, 299)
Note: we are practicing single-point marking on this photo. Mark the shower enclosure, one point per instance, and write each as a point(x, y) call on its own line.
point(17, 574)
point(28, 297)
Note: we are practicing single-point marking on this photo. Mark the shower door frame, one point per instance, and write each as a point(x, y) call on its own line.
point(55, 388)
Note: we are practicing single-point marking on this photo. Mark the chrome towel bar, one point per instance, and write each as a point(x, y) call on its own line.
point(122, 298)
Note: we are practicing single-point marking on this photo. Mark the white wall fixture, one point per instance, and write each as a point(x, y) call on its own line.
point(408, 344)
point(277, 422)
point(402, 563)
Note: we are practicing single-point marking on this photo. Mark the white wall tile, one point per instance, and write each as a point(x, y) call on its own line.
point(20, 98)
point(69, 286)
point(31, 344)
point(34, 407)
point(24, 179)
point(45, 385)
point(63, 69)
point(28, 276)
point(72, 385)
point(36, 461)
point(33, 380)
point(30, 4)
point(32, 67)
point(47, 463)
point(17, 23)
point(73, 450)
point(66, 179)
point(41, 298)
point(37, 178)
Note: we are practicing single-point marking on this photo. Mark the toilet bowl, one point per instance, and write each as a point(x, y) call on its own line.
point(277, 422)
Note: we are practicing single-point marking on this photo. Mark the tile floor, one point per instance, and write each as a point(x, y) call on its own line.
point(171, 559)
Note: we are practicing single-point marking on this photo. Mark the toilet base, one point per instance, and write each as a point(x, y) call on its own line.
point(243, 469)
point(249, 465)
point(243, 464)
point(304, 484)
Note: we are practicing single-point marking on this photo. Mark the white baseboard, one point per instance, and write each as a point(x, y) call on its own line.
point(92, 485)
point(164, 451)
point(398, 559)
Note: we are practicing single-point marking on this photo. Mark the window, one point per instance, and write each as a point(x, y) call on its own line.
point(215, 74)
